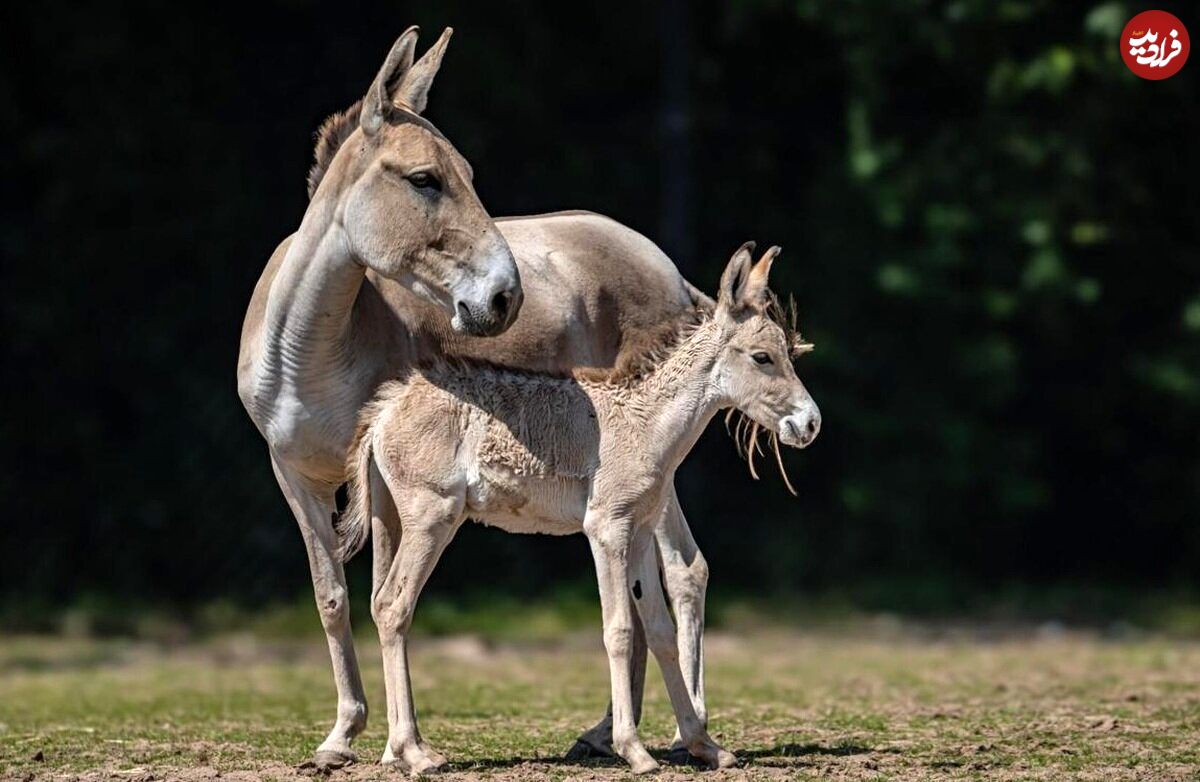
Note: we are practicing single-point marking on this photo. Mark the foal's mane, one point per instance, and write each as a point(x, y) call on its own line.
point(643, 351)
point(640, 353)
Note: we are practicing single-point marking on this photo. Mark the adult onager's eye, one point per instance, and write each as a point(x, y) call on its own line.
point(761, 358)
point(423, 180)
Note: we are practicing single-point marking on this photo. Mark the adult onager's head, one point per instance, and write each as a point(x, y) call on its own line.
point(754, 371)
point(405, 199)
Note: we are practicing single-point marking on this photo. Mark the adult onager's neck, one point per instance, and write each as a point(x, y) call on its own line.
point(308, 315)
point(311, 371)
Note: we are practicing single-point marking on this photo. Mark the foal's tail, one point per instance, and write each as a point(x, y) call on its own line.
point(354, 524)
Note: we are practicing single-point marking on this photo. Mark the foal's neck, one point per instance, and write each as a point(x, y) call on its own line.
point(680, 395)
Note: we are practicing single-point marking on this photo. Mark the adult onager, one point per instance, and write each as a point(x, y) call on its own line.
point(395, 261)
point(590, 453)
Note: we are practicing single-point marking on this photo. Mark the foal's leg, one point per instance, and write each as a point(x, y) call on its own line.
point(609, 539)
point(597, 740)
point(660, 635)
point(313, 507)
point(686, 575)
point(428, 523)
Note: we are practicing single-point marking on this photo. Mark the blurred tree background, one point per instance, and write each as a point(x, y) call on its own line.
point(989, 224)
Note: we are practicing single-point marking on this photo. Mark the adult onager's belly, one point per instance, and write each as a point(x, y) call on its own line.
point(525, 504)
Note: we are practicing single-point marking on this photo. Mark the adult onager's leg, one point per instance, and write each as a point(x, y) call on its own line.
point(410, 537)
point(660, 635)
point(313, 507)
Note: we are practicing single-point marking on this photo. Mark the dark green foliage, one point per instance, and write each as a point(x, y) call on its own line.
point(989, 224)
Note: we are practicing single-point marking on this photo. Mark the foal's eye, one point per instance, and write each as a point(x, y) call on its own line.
point(761, 358)
point(423, 180)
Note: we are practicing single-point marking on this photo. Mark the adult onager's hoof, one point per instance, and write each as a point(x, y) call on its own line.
point(585, 750)
point(678, 755)
point(326, 760)
point(711, 754)
point(704, 754)
point(726, 759)
point(414, 758)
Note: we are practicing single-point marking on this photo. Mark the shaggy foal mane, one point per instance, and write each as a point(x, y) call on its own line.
point(641, 352)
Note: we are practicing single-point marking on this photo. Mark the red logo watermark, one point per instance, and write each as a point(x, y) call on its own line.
point(1155, 45)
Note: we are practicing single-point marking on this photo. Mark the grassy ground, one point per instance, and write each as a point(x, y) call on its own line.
point(827, 705)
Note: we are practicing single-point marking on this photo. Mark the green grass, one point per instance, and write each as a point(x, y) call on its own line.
point(857, 706)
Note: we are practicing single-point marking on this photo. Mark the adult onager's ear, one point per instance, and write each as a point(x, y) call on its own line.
point(414, 90)
point(733, 279)
point(755, 293)
point(378, 101)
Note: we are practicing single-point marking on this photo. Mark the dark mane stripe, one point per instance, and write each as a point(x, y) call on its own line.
point(339, 126)
point(330, 136)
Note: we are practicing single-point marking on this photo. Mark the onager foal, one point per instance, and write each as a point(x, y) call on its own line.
point(592, 453)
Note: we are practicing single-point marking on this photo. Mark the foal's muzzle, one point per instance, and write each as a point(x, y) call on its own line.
point(799, 429)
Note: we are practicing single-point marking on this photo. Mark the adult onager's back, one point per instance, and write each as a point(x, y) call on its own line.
point(590, 452)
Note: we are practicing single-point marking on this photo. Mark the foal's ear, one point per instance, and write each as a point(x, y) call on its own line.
point(756, 293)
point(733, 279)
point(414, 90)
point(379, 97)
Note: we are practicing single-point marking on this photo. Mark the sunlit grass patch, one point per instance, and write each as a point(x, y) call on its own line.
point(792, 706)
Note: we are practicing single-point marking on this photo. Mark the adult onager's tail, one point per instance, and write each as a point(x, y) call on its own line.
point(354, 524)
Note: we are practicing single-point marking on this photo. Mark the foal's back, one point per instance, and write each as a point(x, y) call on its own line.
point(520, 448)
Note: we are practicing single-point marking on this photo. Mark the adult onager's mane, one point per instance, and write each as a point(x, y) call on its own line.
point(330, 136)
point(338, 127)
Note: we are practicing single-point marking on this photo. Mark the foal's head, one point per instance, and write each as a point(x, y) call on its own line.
point(754, 371)
point(407, 202)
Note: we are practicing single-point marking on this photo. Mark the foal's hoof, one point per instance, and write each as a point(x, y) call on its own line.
point(643, 765)
point(325, 760)
point(583, 750)
point(414, 759)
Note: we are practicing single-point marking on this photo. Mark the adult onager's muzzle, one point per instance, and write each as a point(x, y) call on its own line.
point(799, 429)
point(487, 306)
